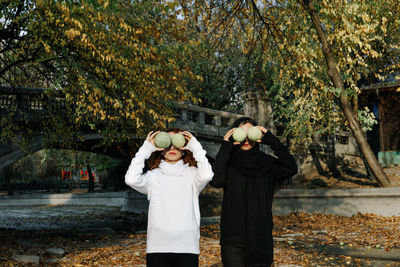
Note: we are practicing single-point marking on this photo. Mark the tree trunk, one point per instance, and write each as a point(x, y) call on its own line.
point(344, 100)
point(91, 179)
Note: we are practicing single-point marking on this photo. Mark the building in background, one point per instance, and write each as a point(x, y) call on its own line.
point(384, 100)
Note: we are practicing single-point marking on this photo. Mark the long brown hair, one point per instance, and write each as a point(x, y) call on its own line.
point(157, 156)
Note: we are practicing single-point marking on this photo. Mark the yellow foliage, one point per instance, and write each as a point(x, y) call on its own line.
point(72, 33)
point(115, 61)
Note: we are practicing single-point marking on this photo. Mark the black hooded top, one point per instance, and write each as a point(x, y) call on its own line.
point(249, 179)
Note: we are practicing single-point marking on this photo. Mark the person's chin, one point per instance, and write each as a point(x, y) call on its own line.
point(173, 159)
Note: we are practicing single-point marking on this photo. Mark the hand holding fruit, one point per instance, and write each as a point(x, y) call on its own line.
point(162, 140)
point(229, 134)
point(151, 138)
point(187, 136)
point(239, 135)
point(263, 130)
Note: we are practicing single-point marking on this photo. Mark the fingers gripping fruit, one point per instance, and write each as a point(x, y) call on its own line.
point(163, 140)
point(178, 140)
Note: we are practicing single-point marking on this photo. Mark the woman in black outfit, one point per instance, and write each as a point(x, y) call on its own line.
point(249, 178)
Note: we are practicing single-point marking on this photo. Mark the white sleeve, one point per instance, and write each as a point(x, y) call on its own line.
point(134, 177)
point(204, 169)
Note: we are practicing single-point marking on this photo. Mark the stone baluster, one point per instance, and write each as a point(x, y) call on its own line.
point(184, 115)
point(202, 118)
point(22, 102)
point(217, 121)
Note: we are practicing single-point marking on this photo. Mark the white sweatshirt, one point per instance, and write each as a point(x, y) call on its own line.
point(173, 192)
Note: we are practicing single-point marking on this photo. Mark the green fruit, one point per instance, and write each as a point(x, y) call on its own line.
point(239, 134)
point(178, 140)
point(254, 134)
point(163, 140)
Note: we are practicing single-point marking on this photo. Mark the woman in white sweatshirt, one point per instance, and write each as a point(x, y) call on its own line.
point(172, 185)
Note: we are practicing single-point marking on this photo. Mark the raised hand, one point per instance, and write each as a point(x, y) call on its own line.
point(187, 135)
point(228, 136)
point(263, 130)
point(151, 139)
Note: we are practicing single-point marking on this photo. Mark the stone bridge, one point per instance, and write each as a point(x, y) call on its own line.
point(207, 125)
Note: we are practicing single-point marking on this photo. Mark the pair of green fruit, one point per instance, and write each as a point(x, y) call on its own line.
point(253, 134)
point(164, 140)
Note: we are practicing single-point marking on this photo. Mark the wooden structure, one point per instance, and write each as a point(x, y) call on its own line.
point(384, 100)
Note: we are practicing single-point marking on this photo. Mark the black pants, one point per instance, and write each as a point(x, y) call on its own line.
point(234, 256)
point(172, 260)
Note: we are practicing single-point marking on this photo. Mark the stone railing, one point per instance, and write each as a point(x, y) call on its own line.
point(26, 99)
point(204, 121)
point(32, 101)
point(28, 105)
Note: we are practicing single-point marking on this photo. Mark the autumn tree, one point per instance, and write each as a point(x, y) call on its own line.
point(322, 50)
point(228, 58)
point(120, 65)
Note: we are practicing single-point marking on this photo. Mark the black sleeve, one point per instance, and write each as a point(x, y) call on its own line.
point(220, 164)
point(285, 165)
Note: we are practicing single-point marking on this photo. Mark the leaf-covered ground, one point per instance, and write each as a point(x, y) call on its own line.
point(300, 240)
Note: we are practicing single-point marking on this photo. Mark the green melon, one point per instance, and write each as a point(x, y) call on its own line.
point(178, 140)
point(254, 133)
point(163, 140)
point(239, 134)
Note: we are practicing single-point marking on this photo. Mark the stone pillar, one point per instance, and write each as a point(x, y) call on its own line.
point(202, 118)
point(218, 121)
point(257, 106)
point(184, 115)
